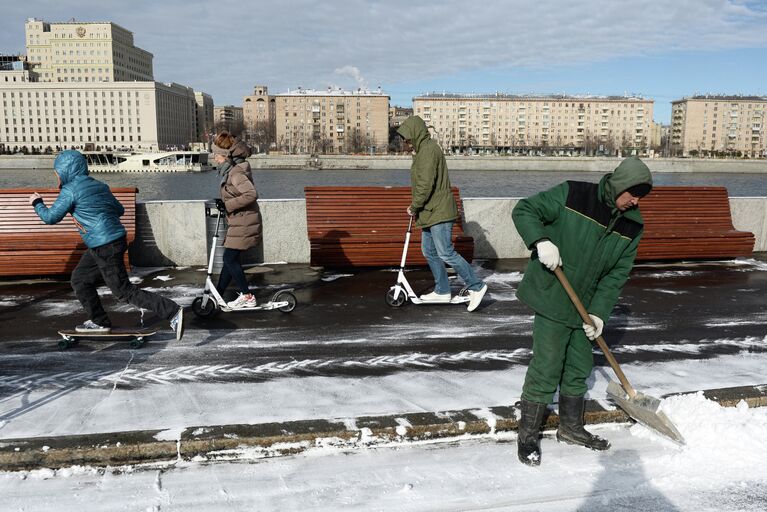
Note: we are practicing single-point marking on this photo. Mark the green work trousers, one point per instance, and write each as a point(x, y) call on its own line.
point(562, 357)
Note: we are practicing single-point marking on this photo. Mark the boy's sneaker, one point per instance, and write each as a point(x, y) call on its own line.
point(436, 297)
point(177, 324)
point(91, 326)
point(244, 300)
point(475, 297)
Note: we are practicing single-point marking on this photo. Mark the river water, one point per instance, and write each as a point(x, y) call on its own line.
point(282, 184)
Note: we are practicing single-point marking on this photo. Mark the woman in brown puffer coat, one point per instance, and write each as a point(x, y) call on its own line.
point(240, 197)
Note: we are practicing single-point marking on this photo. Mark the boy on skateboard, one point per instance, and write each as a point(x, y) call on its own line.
point(97, 213)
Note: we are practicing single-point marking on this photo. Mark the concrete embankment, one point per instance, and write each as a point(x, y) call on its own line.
point(227, 442)
point(463, 163)
point(497, 163)
point(176, 232)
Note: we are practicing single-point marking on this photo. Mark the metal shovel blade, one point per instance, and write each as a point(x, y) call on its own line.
point(644, 409)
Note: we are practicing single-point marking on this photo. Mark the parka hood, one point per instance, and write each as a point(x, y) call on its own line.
point(414, 129)
point(69, 164)
point(240, 151)
point(631, 172)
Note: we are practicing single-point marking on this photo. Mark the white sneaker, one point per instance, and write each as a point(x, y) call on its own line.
point(91, 326)
point(243, 301)
point(475, 297)
point(436, 297)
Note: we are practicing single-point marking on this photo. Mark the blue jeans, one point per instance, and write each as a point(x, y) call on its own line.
point(437, 247)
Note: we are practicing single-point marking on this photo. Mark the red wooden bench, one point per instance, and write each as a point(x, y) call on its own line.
point(365, 227)
point(29, 247)
point(690, 223)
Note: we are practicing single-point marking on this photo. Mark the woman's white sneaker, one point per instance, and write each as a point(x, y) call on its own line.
point(243, 301)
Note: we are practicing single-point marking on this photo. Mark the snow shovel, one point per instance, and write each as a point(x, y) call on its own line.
point(641, 407)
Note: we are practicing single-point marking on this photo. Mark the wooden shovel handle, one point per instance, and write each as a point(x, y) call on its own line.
point(600, 341)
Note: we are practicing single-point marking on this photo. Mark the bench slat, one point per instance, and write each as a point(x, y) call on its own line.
point(690, 223)
point(365, 226)
point(28, 246)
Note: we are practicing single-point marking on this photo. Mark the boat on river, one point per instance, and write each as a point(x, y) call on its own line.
point(170, 161)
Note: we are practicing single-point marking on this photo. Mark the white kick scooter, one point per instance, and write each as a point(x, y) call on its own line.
point(402, 291)
point(211, 301)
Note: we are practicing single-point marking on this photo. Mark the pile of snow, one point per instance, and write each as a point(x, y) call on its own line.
point(729, 441)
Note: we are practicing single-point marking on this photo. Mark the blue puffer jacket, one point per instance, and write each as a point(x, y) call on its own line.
point(91, 203)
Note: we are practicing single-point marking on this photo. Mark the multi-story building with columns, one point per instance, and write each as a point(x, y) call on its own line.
point(332, 121)
point(719, 125)
point(86, 86)
point(501, 122)
point(102, 116)
point(85, 52)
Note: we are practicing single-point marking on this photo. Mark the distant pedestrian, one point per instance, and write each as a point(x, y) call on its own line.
point(435, 211)
point(591, 230)
point(97, 214)
point(239, 198)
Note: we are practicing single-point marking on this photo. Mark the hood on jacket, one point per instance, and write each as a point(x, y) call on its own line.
point(240, 151)
point(630, 173)
point(414, 129)
point(69, 164)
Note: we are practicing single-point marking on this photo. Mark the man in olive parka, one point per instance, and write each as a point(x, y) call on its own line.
point(592, 230)
point(435, 211)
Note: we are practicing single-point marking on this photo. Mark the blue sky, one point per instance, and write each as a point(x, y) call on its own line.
point(660, 50)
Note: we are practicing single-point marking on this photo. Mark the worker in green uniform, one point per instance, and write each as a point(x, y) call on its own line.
point(592, 230)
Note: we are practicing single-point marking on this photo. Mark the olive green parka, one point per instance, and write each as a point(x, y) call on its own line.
point(432, 200)
point(597, 243)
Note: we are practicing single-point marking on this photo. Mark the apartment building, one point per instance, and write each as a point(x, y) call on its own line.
point(258, 108)
point(102, 116)
point(228, 117)
point(501, 122)
point(204, 119)
point(333, 121)
point(397, 115)
point(85, 52)
point(719, 125)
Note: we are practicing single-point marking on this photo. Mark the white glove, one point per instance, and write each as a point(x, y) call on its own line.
point(548, 254)
point(593, 333)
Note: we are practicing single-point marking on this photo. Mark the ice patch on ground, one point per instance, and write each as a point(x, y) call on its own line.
point(163, 278)
point(670, 292)
point(501, 286)
point(171, 434)
point(57, 307)
point(695, 347)
point(332, 277)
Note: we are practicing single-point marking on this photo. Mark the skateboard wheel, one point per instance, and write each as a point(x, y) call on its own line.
point(63, 345)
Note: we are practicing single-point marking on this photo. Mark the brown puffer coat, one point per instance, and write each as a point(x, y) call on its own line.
point(240, 197)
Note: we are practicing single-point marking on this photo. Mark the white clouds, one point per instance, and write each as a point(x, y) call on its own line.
point(226, 47)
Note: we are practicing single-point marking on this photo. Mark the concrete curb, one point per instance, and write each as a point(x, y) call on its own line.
point(223, 442)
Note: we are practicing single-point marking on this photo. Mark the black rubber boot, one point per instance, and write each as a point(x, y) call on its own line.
point(528, 445)
point(571, 429)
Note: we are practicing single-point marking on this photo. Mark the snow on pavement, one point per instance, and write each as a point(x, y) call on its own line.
point(75, 407)
point(720, 469)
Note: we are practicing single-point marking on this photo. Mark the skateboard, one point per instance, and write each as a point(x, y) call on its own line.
point(137, 337)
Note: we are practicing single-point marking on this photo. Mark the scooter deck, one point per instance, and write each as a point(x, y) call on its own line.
point(266, 306)
point(455, 300)
point(137, 337)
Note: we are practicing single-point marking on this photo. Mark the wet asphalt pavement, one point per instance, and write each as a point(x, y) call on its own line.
point(342, 326)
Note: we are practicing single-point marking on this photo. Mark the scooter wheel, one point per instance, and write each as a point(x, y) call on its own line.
point(210, 308)
point(464, 292)
point(391, 301)
point(286, 297)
